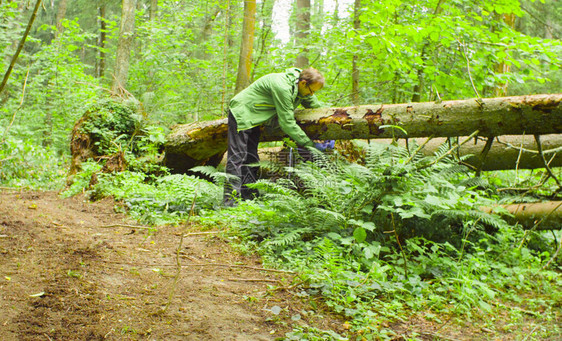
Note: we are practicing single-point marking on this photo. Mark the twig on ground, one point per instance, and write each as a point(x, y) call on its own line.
point(438, 336)
point(125, 226)
point(253, 280)
point(200, 233)
point(204, 265)
point(241, 266)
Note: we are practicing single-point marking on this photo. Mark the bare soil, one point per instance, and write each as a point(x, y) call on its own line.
point(75, 270)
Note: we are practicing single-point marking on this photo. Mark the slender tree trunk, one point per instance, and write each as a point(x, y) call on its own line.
point(205, 33)
point(124, 47)
point(20, 46)
point(318, 22)
point(153, 10)
point(247, 46)
point(61, 13)
point(100, 66)
point(501, 89)
point(418, 88)
point(355, 67)
point(266, 13)
point(51, 81)
point(301, 35)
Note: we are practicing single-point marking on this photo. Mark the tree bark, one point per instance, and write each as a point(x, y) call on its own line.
point(247, 46)
point(538, 216)
point(534, 114)
point(355, 68)
point(153, 10)
point(301, 35)
point(418, 88)
point(507, 151)
point(124, 47)
point(61, 13)
point(100, 65)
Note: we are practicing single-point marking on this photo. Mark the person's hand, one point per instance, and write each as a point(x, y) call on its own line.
point(320, 146)
point(323, 146)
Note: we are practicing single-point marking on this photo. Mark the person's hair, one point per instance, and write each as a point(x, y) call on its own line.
point(312, 76)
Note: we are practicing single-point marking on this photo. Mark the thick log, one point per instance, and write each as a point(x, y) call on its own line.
point(507, 152)
point(539, 215)
point(205, 142)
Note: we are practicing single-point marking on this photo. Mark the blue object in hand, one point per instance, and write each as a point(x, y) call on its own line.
point(327, 144)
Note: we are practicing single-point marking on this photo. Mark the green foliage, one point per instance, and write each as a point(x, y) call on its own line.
point(112, 125)
point(339, 224)
point(156, 201)
point(24, 164)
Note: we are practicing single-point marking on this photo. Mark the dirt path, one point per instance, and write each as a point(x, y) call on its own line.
point(65, 274)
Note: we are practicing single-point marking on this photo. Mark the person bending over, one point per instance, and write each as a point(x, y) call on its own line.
point(273, 97)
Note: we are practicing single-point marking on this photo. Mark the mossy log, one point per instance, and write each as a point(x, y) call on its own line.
point(205, 142)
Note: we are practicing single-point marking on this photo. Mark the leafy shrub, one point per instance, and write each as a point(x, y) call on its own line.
point(110, 125)
point(24, 164)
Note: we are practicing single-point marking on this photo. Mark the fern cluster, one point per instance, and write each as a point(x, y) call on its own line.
point(393, 192)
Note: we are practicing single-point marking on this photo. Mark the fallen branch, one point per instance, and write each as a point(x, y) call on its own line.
point(240, 266)
point(253, 280)
point(125, 226)
point(203, 265)
point(200, 233)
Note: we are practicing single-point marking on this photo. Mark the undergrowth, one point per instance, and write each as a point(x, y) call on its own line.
point(398, 239)
point(26, 165)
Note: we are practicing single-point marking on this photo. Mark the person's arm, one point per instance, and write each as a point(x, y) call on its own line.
point(310, 102)
point(284, 107)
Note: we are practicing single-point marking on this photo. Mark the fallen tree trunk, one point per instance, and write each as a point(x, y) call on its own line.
point(205, 142)
point(538, 216)
point(507, 152)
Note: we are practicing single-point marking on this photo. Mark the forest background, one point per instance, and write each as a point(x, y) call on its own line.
point(181, 62)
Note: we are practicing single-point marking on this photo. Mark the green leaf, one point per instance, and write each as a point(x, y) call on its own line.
point(360, 234)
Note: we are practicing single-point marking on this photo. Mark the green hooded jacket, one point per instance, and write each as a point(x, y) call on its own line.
point(273, 94)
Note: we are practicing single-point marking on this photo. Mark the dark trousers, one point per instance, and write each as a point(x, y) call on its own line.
point(242, 152)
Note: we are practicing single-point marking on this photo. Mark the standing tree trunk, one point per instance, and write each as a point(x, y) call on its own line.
point(20, 46)
point(355, 68)
point(301, 35)
point(124, 47)
point(61, 13)
point(418, 88)
point(205, 33)
point(51, 81)
point(153, 10)
point(247, 46)
point(266, 14)
point(501, 89)
point(100, 65)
